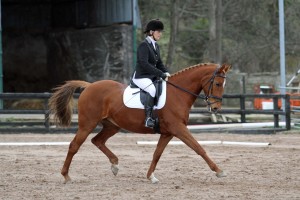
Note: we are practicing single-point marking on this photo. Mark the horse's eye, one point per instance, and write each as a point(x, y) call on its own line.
point(218, 84)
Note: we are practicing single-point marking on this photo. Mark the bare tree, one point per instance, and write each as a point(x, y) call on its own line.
point(173, 31)
point(215, 31)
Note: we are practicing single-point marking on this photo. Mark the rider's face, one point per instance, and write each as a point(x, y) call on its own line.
point(156, 34)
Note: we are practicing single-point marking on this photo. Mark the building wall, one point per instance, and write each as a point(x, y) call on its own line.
point(36, 62)
point(46, 42)
point(91, 54)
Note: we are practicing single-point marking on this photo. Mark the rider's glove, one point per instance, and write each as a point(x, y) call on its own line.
point(167, 74)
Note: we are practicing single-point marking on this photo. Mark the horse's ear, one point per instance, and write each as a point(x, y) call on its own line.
point(224, 68)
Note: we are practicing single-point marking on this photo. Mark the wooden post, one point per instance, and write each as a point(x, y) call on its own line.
point(46, 109)
point(243, 108)
point(276, 108)
point(287, 112)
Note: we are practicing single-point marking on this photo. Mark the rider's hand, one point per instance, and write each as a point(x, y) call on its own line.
point(167, 76)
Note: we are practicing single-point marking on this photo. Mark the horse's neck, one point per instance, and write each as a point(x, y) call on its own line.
point(190, 80)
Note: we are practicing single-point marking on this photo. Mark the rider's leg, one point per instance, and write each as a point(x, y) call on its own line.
point(147, 85)
point(149, 103)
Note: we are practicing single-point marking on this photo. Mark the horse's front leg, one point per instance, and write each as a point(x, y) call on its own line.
point(185, 136)
point(161, 145)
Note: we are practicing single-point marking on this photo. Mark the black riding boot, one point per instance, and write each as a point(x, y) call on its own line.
point(149, 103)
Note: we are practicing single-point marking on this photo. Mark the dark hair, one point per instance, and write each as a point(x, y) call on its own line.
point(153, 25)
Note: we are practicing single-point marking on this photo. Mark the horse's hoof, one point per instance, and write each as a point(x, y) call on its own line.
point(153, 179)
point(115, 169)
point(67, 179)
point(221, 174)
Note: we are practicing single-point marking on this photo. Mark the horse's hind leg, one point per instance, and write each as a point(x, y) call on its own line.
point(74, 146)
point(108, 130)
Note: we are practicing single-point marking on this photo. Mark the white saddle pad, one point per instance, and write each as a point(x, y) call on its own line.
point(131, 97)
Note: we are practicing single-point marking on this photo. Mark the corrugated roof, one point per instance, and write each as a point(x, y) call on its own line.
point(68, 13)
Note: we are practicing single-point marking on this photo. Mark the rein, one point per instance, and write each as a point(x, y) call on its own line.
point(206, 97)
point(185, 90)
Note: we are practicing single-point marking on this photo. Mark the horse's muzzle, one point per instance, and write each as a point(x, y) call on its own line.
point(215, 110)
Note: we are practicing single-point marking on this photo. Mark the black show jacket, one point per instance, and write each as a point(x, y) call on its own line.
point(149, 64)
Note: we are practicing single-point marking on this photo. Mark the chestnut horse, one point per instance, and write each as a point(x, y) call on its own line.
point(101, 102)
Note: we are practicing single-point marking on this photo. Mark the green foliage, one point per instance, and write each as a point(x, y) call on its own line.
point(201, 23)
point(250, 32)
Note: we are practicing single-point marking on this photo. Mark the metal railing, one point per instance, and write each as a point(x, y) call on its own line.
point(295, 95)
point(243, 110)
point(44, 125)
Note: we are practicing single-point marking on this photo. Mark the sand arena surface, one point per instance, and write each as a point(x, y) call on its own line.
point(33, 172)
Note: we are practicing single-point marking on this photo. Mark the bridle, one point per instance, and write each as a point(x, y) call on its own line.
point(206, 97)
point(210, 88)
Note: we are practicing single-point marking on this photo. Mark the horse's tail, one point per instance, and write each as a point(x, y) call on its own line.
point(61, 102)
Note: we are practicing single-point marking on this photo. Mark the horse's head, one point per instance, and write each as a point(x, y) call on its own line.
point(214, 87)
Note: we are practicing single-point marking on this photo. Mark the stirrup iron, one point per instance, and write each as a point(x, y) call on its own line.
point(149, 122)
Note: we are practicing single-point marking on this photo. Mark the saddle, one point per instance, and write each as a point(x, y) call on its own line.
point(158, 85)
point(133, 97)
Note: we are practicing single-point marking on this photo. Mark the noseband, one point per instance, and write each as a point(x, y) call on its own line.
point(210, 88)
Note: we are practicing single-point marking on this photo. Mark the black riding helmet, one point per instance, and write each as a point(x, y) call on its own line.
point(153, 25)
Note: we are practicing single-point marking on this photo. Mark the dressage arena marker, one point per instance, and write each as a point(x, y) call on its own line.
point(138, 142)
point(209, 142)
point(176, 142)
point(234, 125)
point(33, 143)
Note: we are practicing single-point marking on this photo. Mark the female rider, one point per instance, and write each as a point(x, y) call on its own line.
point(149, 66)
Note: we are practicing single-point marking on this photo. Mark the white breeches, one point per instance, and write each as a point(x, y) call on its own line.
point(145, 84)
